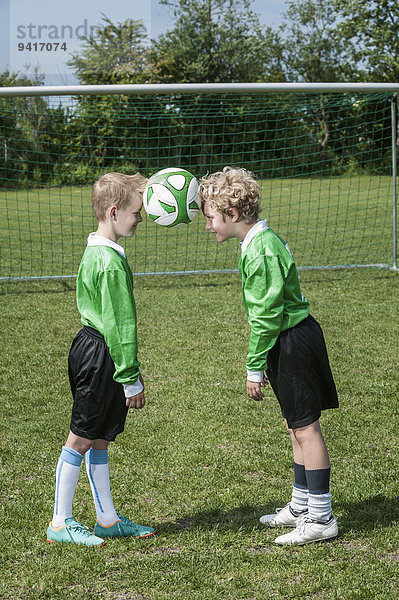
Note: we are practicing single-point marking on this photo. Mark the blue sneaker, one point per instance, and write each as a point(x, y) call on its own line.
point(123, 528)
point(73, 532)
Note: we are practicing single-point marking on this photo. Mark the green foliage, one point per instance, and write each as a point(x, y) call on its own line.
point(277, 135)
point(373, 29)
point(201, 462)
point(312, 49)
point(31, 136)
point(117, 53)
point(215, 41)
point(212, 41)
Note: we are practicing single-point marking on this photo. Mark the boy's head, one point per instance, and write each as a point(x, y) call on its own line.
point(116, 189)
point(231, 188)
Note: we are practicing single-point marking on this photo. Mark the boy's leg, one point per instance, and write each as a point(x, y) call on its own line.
point(318, 524)
point(67, 475)
point(312, 446)
point(317, 470)
point(299, 498)
point(68, 469)
point(63, 527)
point(298, 505)
point(97, 468)
point(109, 523)
point(78, 443)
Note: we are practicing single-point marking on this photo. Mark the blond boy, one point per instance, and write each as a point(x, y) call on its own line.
point(285, 342)
point(103, 367)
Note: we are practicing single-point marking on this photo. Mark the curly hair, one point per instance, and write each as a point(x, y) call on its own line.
point(115, 188)
point(233, 187)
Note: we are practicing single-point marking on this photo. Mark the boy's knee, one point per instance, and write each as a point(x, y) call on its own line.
point(100, 444)
point(302, 434)
point(289, 430)
point(307, 433)
point(79, 444)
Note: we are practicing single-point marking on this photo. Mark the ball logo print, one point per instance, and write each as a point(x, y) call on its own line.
point(171, 197)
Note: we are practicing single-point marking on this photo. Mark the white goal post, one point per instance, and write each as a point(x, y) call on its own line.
point(325, 155)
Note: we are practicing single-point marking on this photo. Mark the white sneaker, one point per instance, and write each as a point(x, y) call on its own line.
point(308, 531)
point(284, 517)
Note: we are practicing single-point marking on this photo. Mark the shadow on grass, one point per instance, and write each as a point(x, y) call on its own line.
point(362, 516)
point(13, 288)
point(243, 518)
point(365, 515)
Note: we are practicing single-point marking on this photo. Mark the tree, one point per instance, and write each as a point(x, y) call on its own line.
point(313, 50)
point(118, 53)
point(215, 41)
point(32, 135)
point(372, 26)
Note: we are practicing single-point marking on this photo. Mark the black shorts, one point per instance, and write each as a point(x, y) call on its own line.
point(99, 407)
point(300, 375)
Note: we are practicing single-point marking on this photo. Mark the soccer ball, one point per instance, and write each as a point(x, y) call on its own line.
point(171, 197)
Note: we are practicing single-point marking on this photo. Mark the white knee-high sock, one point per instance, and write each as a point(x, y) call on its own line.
point(97, 468)
point(67, 476)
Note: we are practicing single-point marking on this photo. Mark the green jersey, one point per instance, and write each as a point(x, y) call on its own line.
point(105, 300)
point(271, 292)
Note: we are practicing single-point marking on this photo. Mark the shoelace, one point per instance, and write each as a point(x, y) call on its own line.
point(304, 519)
point(301, 523)
point(123, 519)
point(80, 528)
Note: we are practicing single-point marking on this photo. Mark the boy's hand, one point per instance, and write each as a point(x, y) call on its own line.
point(254, 389)
point(137, 401)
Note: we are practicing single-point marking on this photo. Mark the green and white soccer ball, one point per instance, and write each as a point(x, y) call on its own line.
point(171, 197)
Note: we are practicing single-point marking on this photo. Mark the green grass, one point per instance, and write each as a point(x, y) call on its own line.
point(336, 221)
point(202, 461)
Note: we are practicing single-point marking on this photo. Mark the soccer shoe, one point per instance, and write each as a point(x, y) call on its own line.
point(123, 528)
point(73, 532)
point(284, 517)
point(307, 531)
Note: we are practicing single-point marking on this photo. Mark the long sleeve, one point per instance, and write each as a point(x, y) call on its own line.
point(271, 293)
point(120, 324)
point(106, 303)
point(263, 294)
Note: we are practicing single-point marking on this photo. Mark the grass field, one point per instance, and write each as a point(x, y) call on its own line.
point(330, 221)
point(202, 461)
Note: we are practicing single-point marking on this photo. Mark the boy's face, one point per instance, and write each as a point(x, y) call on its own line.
point(127, 219)
point(223, 229)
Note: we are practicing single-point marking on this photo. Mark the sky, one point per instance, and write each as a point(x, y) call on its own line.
point(42, 34)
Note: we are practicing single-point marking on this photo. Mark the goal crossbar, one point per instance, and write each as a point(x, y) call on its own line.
point(197, 88)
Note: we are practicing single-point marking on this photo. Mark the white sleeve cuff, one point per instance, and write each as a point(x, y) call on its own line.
point(132, 389)
point(255, 376)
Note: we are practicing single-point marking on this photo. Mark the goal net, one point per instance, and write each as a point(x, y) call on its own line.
point(323, 162)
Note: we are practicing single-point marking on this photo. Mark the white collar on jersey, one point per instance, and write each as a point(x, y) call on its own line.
point(257, 228)
point(99, 240)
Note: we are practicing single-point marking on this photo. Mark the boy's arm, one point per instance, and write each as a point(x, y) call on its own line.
point(120, 327)
point(263, 293)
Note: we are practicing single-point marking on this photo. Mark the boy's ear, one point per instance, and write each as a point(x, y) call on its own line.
point(234, 215)
point(113, 212)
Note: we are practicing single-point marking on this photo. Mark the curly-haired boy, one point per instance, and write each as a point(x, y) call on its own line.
point(286, 342)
